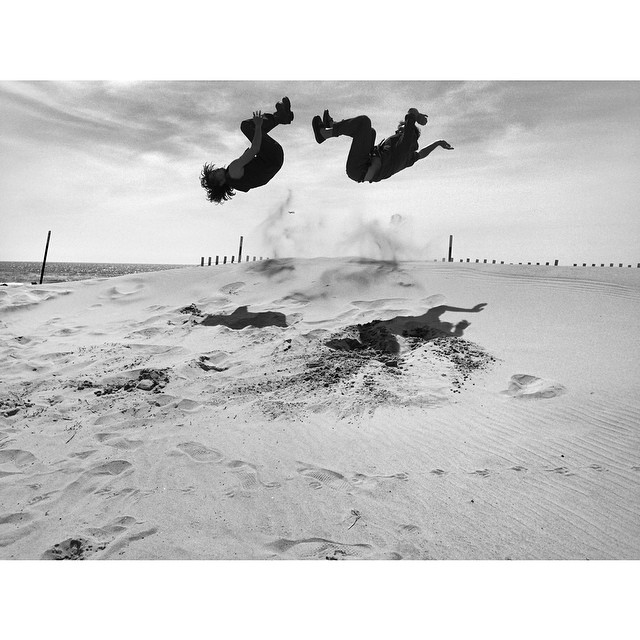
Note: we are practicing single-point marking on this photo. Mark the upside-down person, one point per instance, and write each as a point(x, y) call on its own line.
point(368, 162)
point(257, 165)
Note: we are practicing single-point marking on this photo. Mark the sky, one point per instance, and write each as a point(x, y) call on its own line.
point(542, 169)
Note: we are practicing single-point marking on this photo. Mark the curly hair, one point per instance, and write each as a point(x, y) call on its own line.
point(217, 193)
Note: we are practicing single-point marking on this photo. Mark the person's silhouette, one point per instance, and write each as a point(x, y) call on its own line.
point(430, 322)
point(257, 165)
point(381, 334)
point(368, 162)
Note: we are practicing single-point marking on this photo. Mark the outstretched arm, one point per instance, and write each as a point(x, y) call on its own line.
point(443, 307)
point(236, 167)
point(423, 153)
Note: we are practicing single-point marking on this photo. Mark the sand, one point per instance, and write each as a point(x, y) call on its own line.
point(323, 409)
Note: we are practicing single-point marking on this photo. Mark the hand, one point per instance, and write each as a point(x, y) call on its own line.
point(445, 145)
point(258, 118)
point(479, 307)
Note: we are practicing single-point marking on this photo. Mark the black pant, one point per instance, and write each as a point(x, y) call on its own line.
point(270, 150)
point(396, 152)
point(364, 137)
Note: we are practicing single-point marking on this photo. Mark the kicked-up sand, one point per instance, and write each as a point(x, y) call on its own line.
point(323, 409)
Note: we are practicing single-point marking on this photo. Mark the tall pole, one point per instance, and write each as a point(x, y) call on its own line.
point(450, 248)
point(44, 261)
point(240, 250)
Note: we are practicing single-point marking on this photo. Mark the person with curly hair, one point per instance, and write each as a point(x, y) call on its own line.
point(368, 162)
point(257, 165)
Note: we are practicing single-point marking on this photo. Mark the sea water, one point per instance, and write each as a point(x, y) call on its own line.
point(29, 272)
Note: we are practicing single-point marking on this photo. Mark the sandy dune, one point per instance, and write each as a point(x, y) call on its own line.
point(323, 409)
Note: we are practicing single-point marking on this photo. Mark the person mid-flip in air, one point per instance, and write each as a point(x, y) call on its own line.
point(257, 165)
point(368, 162)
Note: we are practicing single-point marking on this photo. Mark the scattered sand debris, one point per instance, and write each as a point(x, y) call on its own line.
point(202, 363)
point(11, 405)
point(148, 380)
point(72, 549)
point(192, 309)
point(466, 357)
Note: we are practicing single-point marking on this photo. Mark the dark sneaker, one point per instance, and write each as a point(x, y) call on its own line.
point(327, 120)
point(317, 125)
point(283, 110)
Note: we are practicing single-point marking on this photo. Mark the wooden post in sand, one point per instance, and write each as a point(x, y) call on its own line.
point(450, 248)
point(209, 262)
point(225, 260)
point(44, 261)
point(217, 260)
point(202, 261)
point(240, 250)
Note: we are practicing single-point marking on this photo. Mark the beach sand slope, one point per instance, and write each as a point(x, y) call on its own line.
point(322, 409)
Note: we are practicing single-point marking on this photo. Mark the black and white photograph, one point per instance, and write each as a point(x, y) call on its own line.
point(253, 321)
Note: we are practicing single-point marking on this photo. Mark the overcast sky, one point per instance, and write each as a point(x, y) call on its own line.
point(540, 170)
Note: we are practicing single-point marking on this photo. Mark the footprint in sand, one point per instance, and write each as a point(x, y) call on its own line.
point(17, 457)
point(232, 288)
point(298, 298)
point(16, 526)
point(410, 529)
point(95, 480)
point(481, 472)
point(518, 468)
point(41, 498)
point(245, 473)
point(113, 537)
point(370, 482)
point(16, 518)
point(112, 468)
point(83, 454)
point(563, 471)
point(437, 472)
point(119, 545)
point(319, 548)
point(247, 476)
point(199, 452)
point(526, 386)
point(118, 442)
point(325, 477)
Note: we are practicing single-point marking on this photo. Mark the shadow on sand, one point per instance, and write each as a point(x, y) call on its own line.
point(242, 318)
point(381, 334)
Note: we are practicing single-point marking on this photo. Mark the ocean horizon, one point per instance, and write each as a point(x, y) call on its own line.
point(25, 272)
